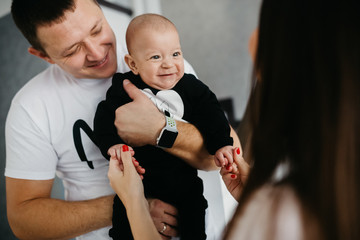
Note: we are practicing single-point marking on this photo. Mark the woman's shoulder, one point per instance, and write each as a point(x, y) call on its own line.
point(272, 210)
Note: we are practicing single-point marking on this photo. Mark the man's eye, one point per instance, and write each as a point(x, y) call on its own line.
point(73, 52)
point(155, 57)
point(97, 32)
point(70, 54)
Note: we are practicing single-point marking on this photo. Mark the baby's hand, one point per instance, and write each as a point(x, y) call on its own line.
point(224, 156)
point(114, 152)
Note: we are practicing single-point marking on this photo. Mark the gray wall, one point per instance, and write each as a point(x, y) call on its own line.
point(214, 36)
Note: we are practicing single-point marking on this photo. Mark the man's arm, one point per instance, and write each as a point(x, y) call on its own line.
point(32, 214)
point(189, 145)
point(140, 123)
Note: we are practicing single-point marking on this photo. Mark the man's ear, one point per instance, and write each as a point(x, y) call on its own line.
point(131, 63)
point(40, 54)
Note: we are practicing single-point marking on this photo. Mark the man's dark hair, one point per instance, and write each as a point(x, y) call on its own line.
point(28, 15)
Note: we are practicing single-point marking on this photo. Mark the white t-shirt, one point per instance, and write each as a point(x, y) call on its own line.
point(48, 118)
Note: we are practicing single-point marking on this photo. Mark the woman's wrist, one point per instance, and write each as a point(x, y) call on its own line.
point(136, 204)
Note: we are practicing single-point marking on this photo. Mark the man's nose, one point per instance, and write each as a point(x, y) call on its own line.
point(94, 51)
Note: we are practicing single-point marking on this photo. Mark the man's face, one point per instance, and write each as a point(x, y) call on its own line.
point(83, 44)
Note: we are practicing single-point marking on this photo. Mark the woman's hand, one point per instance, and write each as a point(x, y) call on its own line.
point(115, 153)
point(151, 216)
point(127, 184)
point(236, 174)
point(124, 177)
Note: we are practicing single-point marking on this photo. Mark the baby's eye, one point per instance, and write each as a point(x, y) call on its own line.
point(176, 54)
point(155, 57)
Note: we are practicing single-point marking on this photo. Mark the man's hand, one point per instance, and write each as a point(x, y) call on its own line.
point(139, 122)
point(165, 218)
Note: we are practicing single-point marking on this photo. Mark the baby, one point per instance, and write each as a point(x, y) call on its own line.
point(157, 67)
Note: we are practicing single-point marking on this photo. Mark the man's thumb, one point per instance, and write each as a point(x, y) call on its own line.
point(131, 90)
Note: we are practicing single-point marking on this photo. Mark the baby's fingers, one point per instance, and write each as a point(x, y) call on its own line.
point(220, 158)
point(217, 162)
point(229, 157)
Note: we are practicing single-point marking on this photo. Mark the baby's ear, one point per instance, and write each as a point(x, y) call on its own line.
point(131, 63)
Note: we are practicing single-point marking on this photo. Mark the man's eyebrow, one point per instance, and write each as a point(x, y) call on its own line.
point(92, 29)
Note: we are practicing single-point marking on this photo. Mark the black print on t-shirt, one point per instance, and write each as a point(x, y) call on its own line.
point(82, 125)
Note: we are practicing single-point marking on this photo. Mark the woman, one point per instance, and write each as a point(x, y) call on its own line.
point(304, 124)
point(304, 116)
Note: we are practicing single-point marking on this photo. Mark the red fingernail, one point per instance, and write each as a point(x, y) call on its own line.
point(228, 167)
point(125, 148)
point(238, 151)
point(233, 176)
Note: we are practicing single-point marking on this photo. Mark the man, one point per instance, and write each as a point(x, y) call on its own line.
point(48, 127)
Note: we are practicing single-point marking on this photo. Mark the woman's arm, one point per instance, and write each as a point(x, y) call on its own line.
point(127, 183)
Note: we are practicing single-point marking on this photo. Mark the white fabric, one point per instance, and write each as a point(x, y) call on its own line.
point(41, 120)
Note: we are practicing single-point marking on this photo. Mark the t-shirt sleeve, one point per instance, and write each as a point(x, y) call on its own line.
point(29, 154)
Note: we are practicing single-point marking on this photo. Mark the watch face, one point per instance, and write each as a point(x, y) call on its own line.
point(167, 139)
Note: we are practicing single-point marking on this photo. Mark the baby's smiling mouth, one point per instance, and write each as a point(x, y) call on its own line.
point(166, 74)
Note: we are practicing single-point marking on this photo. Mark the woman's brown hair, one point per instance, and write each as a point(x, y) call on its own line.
point(304, 109)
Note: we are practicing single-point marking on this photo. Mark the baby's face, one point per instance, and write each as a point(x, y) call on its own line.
point(158, 57)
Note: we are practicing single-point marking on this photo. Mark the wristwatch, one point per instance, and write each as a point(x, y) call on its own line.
point(168, 134)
